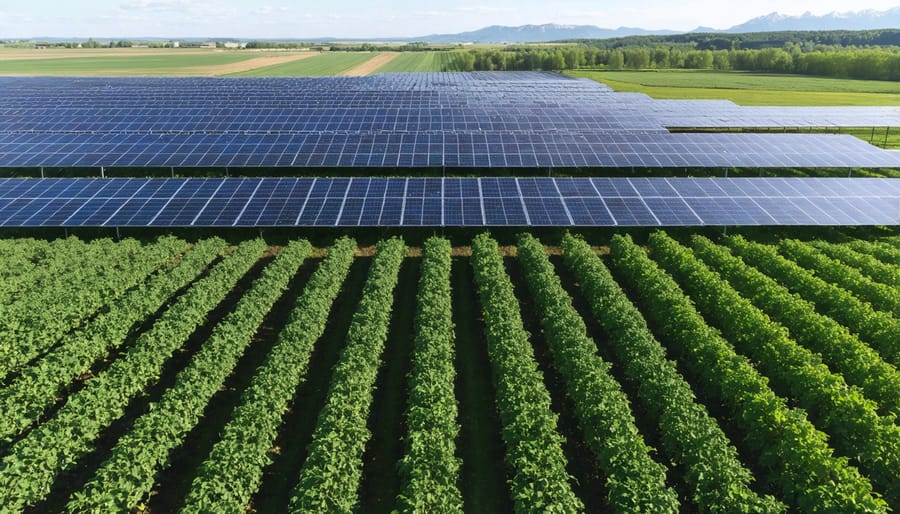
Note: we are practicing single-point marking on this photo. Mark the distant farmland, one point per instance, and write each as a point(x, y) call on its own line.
point(327, 64)
point(121, 64)
point(182, 62)
point(749, 88)
point(417, 62)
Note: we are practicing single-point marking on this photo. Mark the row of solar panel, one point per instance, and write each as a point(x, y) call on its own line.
point(410, 114)
point(324, 123)
point(553, 92)
point(677, 150)
point(447, 202)
point(524, 120)
point(432, 187)
point(487, 81)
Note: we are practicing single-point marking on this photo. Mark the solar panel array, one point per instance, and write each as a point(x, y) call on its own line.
point(435, 202)
point(724, 114)
point(459, 120)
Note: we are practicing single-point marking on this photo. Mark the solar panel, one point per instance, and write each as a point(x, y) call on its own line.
point(718, 114)
point(435, 202)
point(457, 120)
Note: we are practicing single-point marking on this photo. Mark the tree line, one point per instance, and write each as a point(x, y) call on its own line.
point(858, 63)
point(755, 40)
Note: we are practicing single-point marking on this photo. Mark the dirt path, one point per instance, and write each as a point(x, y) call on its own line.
point(249, 64)
point(371, 65)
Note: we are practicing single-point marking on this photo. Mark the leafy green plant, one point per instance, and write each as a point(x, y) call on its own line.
point(330, 477)
point(881, 250)
point(882, 297)
point(429, 468)
point(144, 451)
point(690, 436)
point(534, 451)
point(33, 462)
point(38, 320)
point(879, 329)
point(844, 353)
point(796, 454)
point(867, 264)
point(25, 399)
point(636, 483)
point(795, 372)
point(231, 474)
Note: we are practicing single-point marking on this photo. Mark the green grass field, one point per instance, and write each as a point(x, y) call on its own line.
point(120, 65)
point(319, 66)
point(415, 62)
point(749, 88)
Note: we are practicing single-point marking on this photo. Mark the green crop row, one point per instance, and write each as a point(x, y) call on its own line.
point(534, 451)
point(430, 468)
point(859, 364)
point(867, 264)
point(330, 477)
point(690, 436)
point(18, 256)
point(884, 252)
point(880, 296)
point(634, 481)
point(879, 329)
point(33, 324)
point(144, 451)
point(233, 470)
point(29, 396)
point(797, 455)
point(843, 412)
point(24, 262)
point(28, 472)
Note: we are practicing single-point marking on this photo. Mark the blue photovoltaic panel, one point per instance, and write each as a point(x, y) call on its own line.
point(372, 202)
point(481, 119)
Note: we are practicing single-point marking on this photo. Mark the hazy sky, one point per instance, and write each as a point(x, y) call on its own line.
point(374, 18)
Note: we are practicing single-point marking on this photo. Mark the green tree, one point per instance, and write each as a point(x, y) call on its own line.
point(616, 60)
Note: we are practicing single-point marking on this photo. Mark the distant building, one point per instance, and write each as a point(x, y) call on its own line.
point(235, 45)
point(40, 46)
point(194, 44)
point(176, 44)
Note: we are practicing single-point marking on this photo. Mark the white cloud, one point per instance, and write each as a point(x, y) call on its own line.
point(155, 5)
point(484, 10)
point(463, 11)
point(268, 10)
point(431, 14)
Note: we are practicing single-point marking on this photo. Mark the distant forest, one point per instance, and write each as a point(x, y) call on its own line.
point(756, 40)
point(871, 54)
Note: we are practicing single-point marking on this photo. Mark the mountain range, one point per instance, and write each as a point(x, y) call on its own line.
point(862, 20)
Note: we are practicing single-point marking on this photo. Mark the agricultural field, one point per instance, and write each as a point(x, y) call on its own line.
point(167, 63)
point(661, 372)
point(417, 62)
point(136, 62)
point(326, 64)
point(749, 88)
